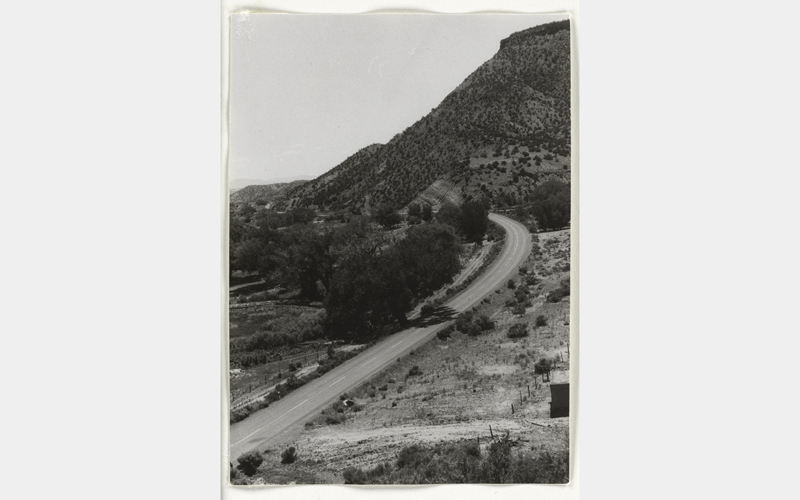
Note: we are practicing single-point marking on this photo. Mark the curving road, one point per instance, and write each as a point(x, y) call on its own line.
point(298, 407)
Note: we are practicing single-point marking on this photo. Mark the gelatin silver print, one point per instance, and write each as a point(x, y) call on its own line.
point(400, 249)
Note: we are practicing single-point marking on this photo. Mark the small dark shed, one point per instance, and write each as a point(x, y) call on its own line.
point(559, 396)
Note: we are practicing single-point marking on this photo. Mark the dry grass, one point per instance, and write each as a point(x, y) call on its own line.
point(466, 385)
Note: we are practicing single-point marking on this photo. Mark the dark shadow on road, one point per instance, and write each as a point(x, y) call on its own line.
point(439, 315)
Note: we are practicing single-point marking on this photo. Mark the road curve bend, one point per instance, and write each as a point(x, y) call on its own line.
point(291, 412)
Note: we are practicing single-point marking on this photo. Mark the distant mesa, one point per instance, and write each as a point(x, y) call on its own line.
point(237, 184)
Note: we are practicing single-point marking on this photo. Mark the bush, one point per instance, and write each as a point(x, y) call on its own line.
point(541, 321)
point(249, 462)
point(473, 330)
point(519, 309)
point(544, 365)
point(531, 280)
point(517, 331)
point(551, 205)
point(411, 456)
point(472, 449)
point(414, 371)
point(484, 322)
point(427, 213)
point(511, 284)
point(559, 293)
point(289, 455)
point(463, 321)
point(334, 419)
point(386, 216)
point(353, 475)
point(444, 333)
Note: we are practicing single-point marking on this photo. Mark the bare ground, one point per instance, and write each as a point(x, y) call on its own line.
point(466, 385)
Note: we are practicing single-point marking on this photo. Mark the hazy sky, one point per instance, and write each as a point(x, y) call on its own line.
point(307, 91)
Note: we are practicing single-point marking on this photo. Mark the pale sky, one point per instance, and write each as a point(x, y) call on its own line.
point(307, 91)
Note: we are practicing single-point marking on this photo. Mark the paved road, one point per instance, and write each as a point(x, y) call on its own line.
point(300, 406)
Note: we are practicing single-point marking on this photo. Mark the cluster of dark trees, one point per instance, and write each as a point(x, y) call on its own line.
point(388, 217)
point(300, 256)
point(418, 212)
point(551, 204)
point(365, 279)
point(376, 286)
point(385, 215)
point(470, 219)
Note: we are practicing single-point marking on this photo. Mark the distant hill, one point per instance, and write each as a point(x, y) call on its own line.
point(237, 184)
point(268, 193)
point(501, 132)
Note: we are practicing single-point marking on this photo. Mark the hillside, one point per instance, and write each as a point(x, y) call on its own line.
point(268, 193)
point(501, 132)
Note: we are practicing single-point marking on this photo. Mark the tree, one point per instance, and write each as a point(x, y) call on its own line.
point(386, 216)
point(430, 257)
point(414, 210)
point(246, 255)
point(474, 221)
point(238, 230)
point(366, 292)
point(370, 289)
point(427, 212)
point(245, 211)
point(551, 204)
point(450, 214)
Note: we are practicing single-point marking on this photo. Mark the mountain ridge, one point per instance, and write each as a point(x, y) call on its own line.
point(498, 134)
point(265, 193)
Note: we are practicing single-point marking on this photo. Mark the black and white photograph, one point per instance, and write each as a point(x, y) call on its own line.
point(450, 249)
point(400, 249)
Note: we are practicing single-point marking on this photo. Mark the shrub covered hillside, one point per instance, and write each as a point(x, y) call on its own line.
point(266, 193)
point(498, 135)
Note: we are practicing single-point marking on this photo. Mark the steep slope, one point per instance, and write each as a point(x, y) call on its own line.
point(505, 129)
point(340, 183)
point(267, 193)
